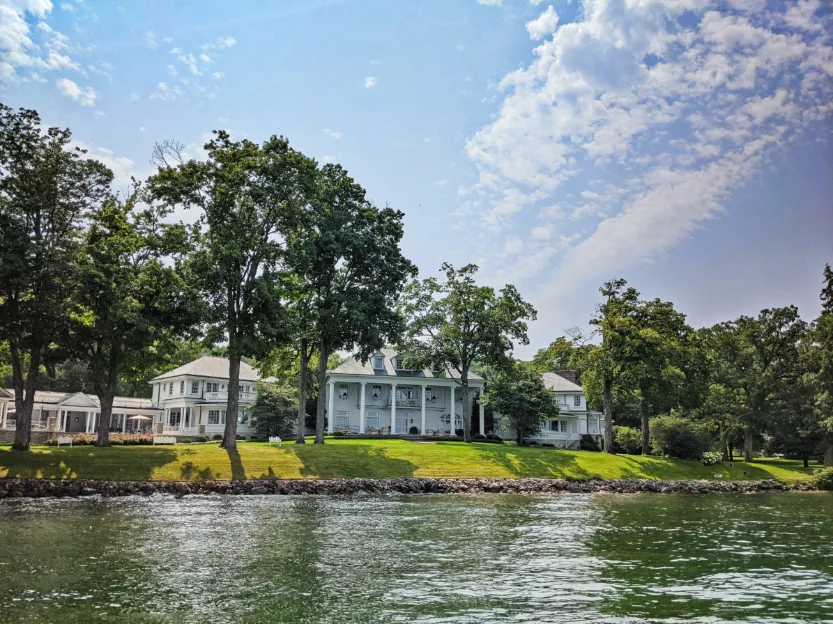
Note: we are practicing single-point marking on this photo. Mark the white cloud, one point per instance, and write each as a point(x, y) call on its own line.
point(218, 75)
point(536, 2)
point(369, 82)
point(226, 42)
point(490, 2)
point(134, 97)
point(150, 39)
point(333, 134)
point(676, 101)
point(166, 93)
point(206, 58)
point(544, 25)
point(85, 96)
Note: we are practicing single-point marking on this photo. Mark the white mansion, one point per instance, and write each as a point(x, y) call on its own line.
point(382, 396)
point(188, 400)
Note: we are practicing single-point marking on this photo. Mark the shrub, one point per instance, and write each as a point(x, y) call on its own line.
point(202, 438)
point(217, 436)
point(478, 436)
point(184, 441)
point(587, 443)
point(627, 440)
point(824, 479)
point(338, 434)
point(495, 437)
point(413, 431)
point(240, 437)
point(548, 444)
point(458, 433)
point(678, 437)
point(711, 458)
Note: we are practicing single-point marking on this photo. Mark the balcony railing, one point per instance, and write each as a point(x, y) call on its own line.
point(243, 397)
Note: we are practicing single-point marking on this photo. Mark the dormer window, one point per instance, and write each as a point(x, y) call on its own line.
point(378, 363)
point(399, 362)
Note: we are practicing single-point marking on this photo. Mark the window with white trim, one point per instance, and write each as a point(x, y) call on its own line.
point(399, 363)
point(182, 387)
point(376, 392)
point(572, 427)
point(562, 426)
point(592, 426)
point(170, 388)
point(195, 387)
point(378, 363)
point(429, 393)
point(342, 419)
point(577, 400)
point(342, 391)
point(371, 419)
point(211, 387)
point(563, 399)
point(213, 417)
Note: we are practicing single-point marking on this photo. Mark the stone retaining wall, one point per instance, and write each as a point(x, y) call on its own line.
point(35, 488)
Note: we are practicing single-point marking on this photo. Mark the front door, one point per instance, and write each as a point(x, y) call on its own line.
point(401, 425)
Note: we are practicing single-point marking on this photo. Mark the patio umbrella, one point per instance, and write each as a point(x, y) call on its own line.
point(140, 418)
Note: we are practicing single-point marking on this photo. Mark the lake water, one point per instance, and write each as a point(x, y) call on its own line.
point(455, 558)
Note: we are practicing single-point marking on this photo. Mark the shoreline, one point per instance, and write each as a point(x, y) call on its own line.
point(62, 488)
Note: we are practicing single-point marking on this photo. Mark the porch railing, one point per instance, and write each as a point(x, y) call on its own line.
point(243, 397)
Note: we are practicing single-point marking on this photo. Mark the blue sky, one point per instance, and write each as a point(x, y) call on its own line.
point(682, 144)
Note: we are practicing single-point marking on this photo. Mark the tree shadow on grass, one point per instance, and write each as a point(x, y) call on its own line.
point(238, 473)
point(354, 461)
point(533, 462)
point(190, 472)
point(119, 463)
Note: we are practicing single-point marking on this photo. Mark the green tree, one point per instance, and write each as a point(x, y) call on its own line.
point(518, 393)
point(273, 412)
point(453, 324)
point(127, 299)
point(603, 363)
point(554, 357)
point(817, 355)
point(755, 359)
point(350, 270)
point(47, 189)
point(248, 194)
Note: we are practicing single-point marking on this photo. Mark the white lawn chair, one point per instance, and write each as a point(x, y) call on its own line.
point(275, 439)
point(64, 440)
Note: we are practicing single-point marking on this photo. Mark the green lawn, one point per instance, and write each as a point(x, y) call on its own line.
point(365, 458)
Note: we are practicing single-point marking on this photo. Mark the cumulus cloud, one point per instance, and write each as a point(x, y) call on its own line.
point(226, 42)
point(333, 134)
point(369, 82)
point(85, 96)
point(679, 101)
point(23, 51)
point(544, 25)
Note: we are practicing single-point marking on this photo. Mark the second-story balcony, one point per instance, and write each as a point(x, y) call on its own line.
point(242, 397)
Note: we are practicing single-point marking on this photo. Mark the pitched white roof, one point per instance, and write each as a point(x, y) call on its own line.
point(210, 366)
point(79, 399)
point(554, 381)
point(354, 366)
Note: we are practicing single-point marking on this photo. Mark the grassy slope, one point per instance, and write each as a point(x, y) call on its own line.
point(365, 458)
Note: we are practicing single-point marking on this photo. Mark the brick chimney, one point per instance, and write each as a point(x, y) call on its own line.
point(569, 375)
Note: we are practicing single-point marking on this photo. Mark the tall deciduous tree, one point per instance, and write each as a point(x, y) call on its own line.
point(247, 193)
point(455, 323)
point(518, 393)
point(47, 190)
point(820, 364)
point(758, 357)
point(128, 300)
point(345, 251)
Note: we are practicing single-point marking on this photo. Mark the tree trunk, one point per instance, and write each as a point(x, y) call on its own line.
point(828, 455)
point(302, 394)
point(731, 452)
point(230, 433)
point(608, 412)
point(106, 395)
point(321, 408)
point(646, 432)
point(464, 392)
point(747, 444)
point(723, 449)
point(24, 396)
point(806, 459)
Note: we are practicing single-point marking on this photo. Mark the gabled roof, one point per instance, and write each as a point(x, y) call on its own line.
point(210, 366)
point(79, 399)
point(354, 366)
point(555, 382)
point(6, 394)
point(76, 399)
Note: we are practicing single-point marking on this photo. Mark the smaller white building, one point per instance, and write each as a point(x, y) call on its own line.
point(574, 418)
point(192, 399)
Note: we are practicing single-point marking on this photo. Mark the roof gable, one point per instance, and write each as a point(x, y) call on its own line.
point(79, 399)
point(557, 383)
point(210, 366)
point(354, 366)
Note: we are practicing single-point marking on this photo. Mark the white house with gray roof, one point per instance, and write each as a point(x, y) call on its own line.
point(382, 396)
point(574, 418)
point(192, 399)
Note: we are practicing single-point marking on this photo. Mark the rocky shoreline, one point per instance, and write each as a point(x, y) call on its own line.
point(39, 488)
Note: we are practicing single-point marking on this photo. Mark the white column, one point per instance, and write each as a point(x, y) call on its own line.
point(422, 425)
point(392, 407)
point(331, 416)
point(361, 407)
point(86, 422)
point(453, 415)
point(482, 416)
